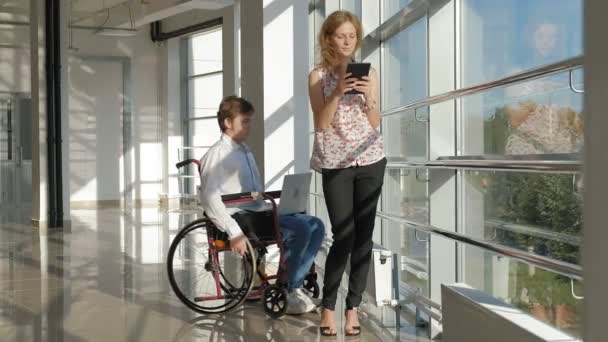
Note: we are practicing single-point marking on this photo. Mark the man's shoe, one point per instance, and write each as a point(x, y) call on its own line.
point(305, 297)
point(297, 305)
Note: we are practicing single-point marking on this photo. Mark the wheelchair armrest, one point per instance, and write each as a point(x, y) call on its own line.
point(189, 161)
point(238, 197)
point(249, 196)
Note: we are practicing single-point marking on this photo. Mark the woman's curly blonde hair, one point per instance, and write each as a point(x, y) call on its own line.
point(328, 56)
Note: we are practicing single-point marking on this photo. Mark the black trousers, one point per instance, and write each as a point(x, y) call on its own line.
point(351, 196)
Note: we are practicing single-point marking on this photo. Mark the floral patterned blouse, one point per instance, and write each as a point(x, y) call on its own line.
point(350, 140)
point(547, 129)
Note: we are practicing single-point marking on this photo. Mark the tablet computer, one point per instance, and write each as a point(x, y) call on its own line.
point(357, 70)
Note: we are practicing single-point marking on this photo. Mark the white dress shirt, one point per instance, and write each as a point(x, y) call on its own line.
point(227, 168)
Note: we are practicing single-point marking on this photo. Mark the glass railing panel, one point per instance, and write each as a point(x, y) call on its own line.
point(538, 213)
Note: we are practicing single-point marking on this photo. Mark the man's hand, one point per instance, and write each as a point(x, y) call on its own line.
point(239, 244)
point(257, 195)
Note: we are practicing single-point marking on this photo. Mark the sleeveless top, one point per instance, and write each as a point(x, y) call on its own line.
point(350, 140)
point(547, 129)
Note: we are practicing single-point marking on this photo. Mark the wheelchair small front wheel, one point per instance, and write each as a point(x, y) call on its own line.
point(311, 286)
point(275, 300)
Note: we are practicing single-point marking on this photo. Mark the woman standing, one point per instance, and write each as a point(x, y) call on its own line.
point(348, 151)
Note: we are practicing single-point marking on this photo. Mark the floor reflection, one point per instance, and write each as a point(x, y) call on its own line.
point(105, 280)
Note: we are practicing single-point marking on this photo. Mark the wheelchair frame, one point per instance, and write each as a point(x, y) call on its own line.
point(274, 296)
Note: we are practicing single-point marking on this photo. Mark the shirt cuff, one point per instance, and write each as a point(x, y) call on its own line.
point(234, 230)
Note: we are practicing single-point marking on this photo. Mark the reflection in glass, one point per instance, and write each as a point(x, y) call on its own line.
point(540, 116)
point(539, 213)
point(547, 296)
point(504, 37)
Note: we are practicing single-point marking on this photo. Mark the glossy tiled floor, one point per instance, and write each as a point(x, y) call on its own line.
point(105, 280)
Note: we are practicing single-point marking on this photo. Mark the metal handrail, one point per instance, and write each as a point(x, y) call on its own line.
point(566, 269)
point(560, 166)
point(547, 70)
point(535, 231)
point(571, 84)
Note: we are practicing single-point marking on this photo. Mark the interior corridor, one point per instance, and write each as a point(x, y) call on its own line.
point(105, 280)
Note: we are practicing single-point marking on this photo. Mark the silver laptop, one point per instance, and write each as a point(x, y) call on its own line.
point(294, 196)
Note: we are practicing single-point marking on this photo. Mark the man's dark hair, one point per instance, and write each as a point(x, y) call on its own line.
point(230, 107)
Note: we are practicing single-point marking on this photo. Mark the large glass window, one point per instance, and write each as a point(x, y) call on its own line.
point(205, 86)
point(539, 120)
point(541, 116)
point(354, 6)
point(503, 37)
point(390, 7)
point(404, 69)
point(405, 193)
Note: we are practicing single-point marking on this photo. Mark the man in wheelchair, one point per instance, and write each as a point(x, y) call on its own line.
point(229, 167)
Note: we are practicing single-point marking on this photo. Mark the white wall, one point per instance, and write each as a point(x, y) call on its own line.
point(95, 129)
point(145, 155)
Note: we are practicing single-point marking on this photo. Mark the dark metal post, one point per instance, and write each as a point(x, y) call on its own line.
point(53, 83)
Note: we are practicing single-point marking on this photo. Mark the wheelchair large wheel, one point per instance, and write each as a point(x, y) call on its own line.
point(206, 278)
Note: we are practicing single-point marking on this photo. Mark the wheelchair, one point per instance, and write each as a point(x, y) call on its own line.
point(209, 278)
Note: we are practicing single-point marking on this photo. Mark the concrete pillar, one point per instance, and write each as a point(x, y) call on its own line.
point(596, 164)
point(39, 129)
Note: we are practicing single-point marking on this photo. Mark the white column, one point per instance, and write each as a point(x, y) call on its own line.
point(285, 75)
point(595, 252)
point(236, 58)
point(442, 186)
point(39, 130)
point(251, 71)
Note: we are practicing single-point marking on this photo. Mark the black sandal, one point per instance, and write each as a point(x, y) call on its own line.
point(356, 328)
point(327, 331)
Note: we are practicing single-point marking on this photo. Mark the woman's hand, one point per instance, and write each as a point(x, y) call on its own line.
point(345, 84)
point(365, 86)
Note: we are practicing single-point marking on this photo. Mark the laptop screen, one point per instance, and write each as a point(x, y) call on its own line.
point(294, 196)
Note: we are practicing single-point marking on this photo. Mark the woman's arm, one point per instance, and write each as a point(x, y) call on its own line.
point(325, 110)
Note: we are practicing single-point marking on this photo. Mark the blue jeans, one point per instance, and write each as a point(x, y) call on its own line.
point(303, 235)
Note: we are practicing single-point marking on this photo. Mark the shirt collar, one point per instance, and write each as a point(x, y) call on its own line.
point(228, 140)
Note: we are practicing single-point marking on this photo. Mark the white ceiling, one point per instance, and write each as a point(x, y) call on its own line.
point(126, 13)
point(115, 13)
